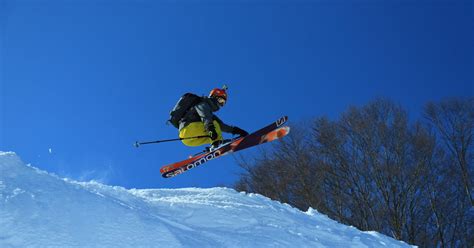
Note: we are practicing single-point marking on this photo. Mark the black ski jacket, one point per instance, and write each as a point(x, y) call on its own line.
point(203, 112)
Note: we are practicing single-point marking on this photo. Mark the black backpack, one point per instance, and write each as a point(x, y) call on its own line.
point(184, 103)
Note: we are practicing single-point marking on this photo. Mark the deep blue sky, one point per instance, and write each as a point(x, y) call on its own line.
point(88, 78)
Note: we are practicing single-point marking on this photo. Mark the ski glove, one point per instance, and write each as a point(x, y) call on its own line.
point(239, 131)
point(212, 132)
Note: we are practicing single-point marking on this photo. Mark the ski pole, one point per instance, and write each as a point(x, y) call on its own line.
point(137, 144)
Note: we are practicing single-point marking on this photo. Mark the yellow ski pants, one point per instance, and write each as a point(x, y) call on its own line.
point(198, 129)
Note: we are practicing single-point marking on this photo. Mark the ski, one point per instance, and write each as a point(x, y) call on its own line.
point(224, 150)
point(266, 134)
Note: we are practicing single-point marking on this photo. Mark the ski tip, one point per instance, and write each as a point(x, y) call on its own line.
point(281, 121)
point(136, 144)
point(283, 131)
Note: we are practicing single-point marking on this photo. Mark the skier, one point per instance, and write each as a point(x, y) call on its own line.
point(194, 116)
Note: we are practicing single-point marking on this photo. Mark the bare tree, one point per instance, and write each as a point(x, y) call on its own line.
point(375, 170)
point(287, 174)
point(454, 120)
point(380, 165)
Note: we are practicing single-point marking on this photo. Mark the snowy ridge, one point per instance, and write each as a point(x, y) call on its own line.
point(38, 209)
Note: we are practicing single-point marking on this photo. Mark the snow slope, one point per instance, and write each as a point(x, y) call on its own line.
point(38, 209)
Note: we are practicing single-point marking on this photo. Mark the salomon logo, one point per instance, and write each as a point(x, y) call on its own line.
point(196, 163)
point(203, 160)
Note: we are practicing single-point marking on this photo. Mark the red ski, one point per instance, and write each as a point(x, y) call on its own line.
point(267, 134)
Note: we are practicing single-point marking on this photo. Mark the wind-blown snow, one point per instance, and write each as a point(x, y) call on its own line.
point(38, 209)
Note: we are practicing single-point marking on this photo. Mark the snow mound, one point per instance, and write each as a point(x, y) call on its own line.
point(38, 209)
